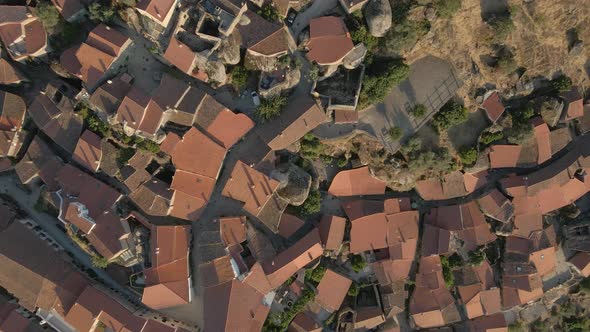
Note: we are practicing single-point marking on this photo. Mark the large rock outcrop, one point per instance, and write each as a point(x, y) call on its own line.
point(378, 16)
point(295, 183)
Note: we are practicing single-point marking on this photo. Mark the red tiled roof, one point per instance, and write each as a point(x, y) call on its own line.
point(329, 40)
point(300, 116)
point(167, 282)
point(180, 55)
point(581, 261)
point(332, 290)
point(158, 9)
point(493, 106)
point(288, 262)
point(356, 182)
point(398, 231)
point(542, 135)
point(574, 104)
point(15, 24)
point(233, 230)
point(9, 74)
point(229, 127)
point(247, 185)
point(358, 208)
point(234, 306)
point(196, 143)
point(88, 152)
point(504, 155)
point(289, 224)
point(68, 8)
point(332, 230)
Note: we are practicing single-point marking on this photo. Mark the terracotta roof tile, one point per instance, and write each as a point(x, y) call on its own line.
point(332, 230)
point(542, 135)
point(195, 143)
point(233, 230)
point(356, 182)
point(158, 9)
point(345, 116)
point(329, 40)
point(228, 127)
point(332, 290)
point(574, 104)
point(493, 106)
point(504, 156)
point(247, 185)
point(288, 262)
point(107, 39)
point(234, 306)
point(9, 74)
point(132, 109)
point(581, 261)
point(300, 116)
point(88, 152)
point(289, 224)
point(68, 8)
point(180, 55)
point(358, 208)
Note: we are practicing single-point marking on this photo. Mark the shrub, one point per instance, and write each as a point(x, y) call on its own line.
point(358, 263)
point(354, 289)
point(476, 257)
point(316, 274)
point(451, 114)
point(380, 79)
point(447, 272)
point(239, 77)
point(418, 111)
point(403, 36)
point(360, 34)
point(395, 133)
point(455, 261)
point(488, 138)
point(312, 204)
point(507, 64)
point(270, 108)
point(269, 13)
point(447, 8)
point(468, 156)
point(516, 327)
point(562, 83)
point(439, 161)
point(149, 146)
point(311, 147)
point(100, 13)
point(413, 145)
point(342, 162)
point(99, 261)
point(93, 123)
point(124, 156)
point(47, 14)
point(503, 26)
point(280, 321)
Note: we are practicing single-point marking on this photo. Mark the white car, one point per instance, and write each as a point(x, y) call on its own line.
point(255, 98)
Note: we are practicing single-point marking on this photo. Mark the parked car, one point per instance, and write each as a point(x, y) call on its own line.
point(255, 98)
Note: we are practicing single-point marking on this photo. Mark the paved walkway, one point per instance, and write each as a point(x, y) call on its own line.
point(27, 201)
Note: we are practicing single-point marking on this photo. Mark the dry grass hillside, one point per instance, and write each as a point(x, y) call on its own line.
point(543, 33)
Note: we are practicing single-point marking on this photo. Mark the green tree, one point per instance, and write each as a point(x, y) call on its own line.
point(468, 156)
point(488, 137)
point(239, 77)
point(476, 257)
point(354, 289)
point(99, 261)
point(507, 64)
point(562, 83)
point(380, 79)
point(439, 161)
point(404, 36)
point(311, 147)
point(418, 111)
point(316, 274)
point(100, 13)
point(447, 8)
point(269, 12)
point(312, 204)
point(270, 108)
point(149, 146)
point(451, 114)
point(455, 261)
point(48, 15)
point(447, 272)
point(503, 26)
point(395, 133)
point(358, 263)
point(413, 145)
